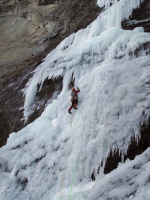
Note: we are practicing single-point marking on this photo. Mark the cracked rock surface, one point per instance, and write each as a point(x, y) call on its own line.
point(29, 31)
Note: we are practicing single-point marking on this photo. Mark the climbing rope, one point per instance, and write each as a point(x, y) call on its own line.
point(75, 160)
point(66, 160)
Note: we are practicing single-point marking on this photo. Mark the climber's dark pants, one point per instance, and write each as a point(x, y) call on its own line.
point(74, 104)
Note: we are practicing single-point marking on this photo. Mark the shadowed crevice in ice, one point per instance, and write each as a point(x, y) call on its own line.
point(46, 92)
point(140, 18)
point(135, 148)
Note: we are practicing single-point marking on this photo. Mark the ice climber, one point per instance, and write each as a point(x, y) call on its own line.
point(74, 98)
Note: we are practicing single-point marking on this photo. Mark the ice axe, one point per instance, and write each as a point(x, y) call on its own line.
point(76, 86)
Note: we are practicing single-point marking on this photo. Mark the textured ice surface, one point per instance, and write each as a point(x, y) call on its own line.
point(114, 93)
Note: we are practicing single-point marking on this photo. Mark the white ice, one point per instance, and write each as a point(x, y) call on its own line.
point(114, 93)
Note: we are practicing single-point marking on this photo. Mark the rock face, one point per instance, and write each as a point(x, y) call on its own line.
point(29, 30)
point(46, 2)
point(11, 98)
point(140, 17)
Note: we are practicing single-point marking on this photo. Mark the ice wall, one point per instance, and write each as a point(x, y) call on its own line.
point(114, 93)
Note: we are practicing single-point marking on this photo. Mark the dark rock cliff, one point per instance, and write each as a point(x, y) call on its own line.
point(29, 30)
point(45, 2)
point(140, 17)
